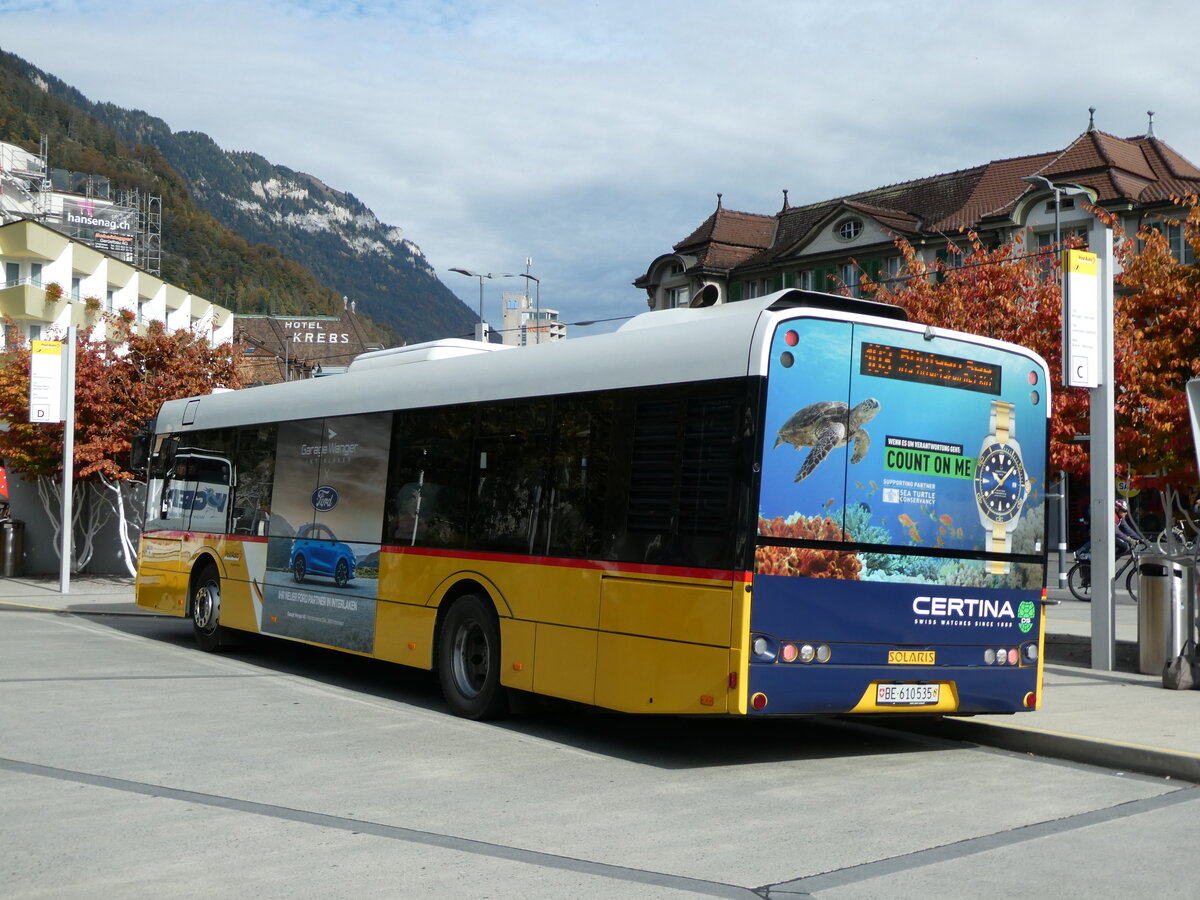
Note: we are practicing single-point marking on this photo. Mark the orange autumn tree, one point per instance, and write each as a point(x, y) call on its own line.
point(1010, 294)
point(1159, 301)
point(121, 379)
point(1004, 293)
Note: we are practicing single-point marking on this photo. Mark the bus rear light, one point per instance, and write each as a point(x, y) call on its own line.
point(1012, 657)
point(733, 679)
point(808, 653)
point(1030, 653)
point(824, 653)
point(706, 700)
point(788, 653)
point(1030, 700)
point(764, 648)
point(758, 701)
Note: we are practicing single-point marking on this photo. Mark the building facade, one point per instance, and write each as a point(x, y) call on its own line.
point(526, 323)
point(824, 245)
point(287, 348)
point(33, 257)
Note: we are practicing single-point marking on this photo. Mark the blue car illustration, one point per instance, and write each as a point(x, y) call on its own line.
point(317, 551)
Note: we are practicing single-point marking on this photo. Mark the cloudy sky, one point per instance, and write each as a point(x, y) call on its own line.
point(591, 136)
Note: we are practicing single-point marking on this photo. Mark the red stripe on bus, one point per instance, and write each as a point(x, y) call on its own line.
point(190, 535)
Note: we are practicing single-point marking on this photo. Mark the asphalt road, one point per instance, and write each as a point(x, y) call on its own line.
point(132, 765)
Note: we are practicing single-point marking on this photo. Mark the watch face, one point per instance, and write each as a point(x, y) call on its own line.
point(1000, 482)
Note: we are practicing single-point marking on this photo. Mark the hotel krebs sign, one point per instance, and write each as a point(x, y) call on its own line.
point(301, 332)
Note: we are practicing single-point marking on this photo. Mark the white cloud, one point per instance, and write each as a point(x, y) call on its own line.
point(593, 136)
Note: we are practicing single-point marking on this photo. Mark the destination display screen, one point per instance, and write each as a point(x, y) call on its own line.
point(922, 367)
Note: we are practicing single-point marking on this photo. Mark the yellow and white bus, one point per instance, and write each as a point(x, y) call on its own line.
point(799, 504)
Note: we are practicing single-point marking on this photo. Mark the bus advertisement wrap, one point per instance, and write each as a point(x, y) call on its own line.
point(323, 551)
point(883, 437)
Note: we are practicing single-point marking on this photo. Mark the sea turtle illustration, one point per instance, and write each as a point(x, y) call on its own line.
point(826, 425)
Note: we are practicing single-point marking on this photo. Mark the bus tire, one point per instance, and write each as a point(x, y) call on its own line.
point(469, 660)
point(206, 608)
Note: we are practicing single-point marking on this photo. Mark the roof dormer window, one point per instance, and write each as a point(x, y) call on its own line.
point(849, 229)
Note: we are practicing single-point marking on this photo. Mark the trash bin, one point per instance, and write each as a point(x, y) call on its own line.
point(1162, 612)
point(12, 548)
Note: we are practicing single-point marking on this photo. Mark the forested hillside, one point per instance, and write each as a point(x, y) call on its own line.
point(236, 229)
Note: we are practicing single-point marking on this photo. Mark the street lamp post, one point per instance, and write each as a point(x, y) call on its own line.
point(1101, 446)
point(538, 293)
point(481, 329)
point(1059, 190)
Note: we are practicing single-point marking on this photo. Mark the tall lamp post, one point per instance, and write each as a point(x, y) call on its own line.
point(1059, 191)
point(481, 329)
point(1101, 444)
point(538, 293)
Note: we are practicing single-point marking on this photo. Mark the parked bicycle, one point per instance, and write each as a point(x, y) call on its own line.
point(1079, 578)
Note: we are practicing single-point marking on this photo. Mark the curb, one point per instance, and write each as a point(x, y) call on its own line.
point(1093, 751)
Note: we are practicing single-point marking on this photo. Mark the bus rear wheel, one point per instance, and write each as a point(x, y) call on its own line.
point(469, 660)
point(206, 608)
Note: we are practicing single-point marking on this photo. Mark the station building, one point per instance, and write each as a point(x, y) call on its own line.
point(829, 243)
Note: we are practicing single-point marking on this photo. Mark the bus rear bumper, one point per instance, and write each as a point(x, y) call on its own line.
point(843, 690)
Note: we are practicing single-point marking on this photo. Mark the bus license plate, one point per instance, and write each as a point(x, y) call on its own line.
point(907, 694)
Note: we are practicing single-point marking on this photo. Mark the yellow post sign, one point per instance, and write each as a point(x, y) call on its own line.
point(46, 382)
point(1081, 320)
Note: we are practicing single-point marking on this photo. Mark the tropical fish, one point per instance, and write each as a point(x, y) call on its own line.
point(829, 503)
point(858, 484)
point(942, 530)
point(906, 520)
point(915, 535)
point(945, 519)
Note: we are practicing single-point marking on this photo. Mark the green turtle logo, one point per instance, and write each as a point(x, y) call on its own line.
point(1025, 613)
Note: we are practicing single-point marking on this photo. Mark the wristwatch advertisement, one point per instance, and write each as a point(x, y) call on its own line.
point(1001, 483)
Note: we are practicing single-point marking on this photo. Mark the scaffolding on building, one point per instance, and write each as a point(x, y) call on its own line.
point(30, 189)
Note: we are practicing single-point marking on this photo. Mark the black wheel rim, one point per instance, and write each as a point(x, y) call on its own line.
point(470, 660)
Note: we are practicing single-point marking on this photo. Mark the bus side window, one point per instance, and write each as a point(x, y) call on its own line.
point(429, 463)
point(255, 470)
point(510, 460)
point(578, 476)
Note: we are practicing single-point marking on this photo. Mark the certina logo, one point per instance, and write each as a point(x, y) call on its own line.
point(961, 610)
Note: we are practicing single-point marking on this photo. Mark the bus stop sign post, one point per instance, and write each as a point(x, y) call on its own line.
point(1102, 447)
point(52, 400)
point(68, 477)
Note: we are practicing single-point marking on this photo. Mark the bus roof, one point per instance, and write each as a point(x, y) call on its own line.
point(663, 347)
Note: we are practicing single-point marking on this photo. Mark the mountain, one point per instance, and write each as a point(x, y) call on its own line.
point(331, 234)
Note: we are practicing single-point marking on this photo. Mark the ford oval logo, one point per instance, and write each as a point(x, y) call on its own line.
point(324, 498)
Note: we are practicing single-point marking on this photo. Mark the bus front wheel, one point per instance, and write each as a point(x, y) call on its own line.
point(206, 609)
point(469, 660)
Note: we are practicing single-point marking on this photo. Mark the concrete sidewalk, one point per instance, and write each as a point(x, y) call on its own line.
point(1118, 719)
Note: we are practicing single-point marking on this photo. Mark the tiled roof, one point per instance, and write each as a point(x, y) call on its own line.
point(1138, 169)
point(728, 237)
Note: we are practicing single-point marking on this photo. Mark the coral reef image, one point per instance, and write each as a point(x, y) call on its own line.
point(805, 561)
